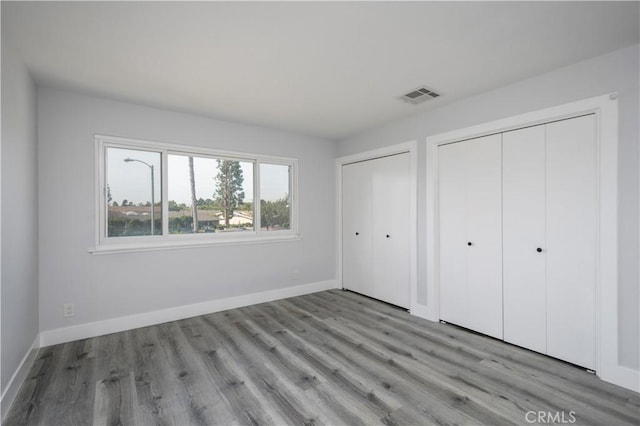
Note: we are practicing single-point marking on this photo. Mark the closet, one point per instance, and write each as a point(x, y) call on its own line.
point(524, 202)
point(375, 228)
point(471, 234)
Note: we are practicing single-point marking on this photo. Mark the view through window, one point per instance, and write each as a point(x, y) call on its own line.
point(206, 193)
point(134, 198)
point(209, 195)
point(275, 206)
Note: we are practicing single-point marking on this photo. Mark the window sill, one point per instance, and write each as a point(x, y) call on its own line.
point(184, 244)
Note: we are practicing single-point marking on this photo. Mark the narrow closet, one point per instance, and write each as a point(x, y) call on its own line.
point(375, 228)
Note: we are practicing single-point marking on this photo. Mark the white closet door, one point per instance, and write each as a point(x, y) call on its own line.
point(571, 240)
point(453, 256)
point(391, 228)
point(357, 253)
point(484, 212)
point(524, 247)
point(470, 200)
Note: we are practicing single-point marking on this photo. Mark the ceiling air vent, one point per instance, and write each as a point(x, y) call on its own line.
point(420, 95)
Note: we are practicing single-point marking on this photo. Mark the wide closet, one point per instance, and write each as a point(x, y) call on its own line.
point(375, 228)
point(518, 237)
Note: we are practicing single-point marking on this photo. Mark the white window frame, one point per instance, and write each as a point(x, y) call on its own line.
point(105, 244)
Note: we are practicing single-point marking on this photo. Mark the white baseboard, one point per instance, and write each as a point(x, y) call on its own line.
point(114, 325)
point(18, 378)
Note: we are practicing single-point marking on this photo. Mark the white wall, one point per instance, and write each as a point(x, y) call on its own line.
point(617, 71)
point(115, 285)
point(19, 214)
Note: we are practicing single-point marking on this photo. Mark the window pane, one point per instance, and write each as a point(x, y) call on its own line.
point(275, 208)
point(220, 190)
point(133, 186)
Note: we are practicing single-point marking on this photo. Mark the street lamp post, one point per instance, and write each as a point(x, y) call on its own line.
point(153, 203)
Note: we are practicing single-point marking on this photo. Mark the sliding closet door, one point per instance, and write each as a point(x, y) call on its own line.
point(391, 229)
point(571, 240)
point(470, 206)
point(524, 247)
point(357, 253)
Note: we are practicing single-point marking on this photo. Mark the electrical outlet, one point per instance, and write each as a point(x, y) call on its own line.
point(295, 274)
point(69, 310)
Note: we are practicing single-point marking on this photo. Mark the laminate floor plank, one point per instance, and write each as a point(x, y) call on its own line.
point(361, 398)
point(521, 395)
point(450, 376)
point(533, 367)
point(115, 396)
point(435, 346)
point(535, 364)
point(446, 393)
point(290, 402)
point(192, 388)
point(333, 357)
point(285, 363)
point(313, 352)
point(115, 401)
point(343, 371)
point(234, 386)
point(154, 387)
point(434, 410)
point(70, 387)
point(277, 356)
point(31, 401)
point(554, 375)
point(510, 400)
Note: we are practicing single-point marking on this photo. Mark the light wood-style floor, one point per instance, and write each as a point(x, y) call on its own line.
point(333, 358)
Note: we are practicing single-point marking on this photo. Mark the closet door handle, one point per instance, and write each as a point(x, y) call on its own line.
point(539, 250)
point(469, 243)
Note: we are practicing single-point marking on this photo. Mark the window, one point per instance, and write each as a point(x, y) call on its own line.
point(275, 203)
point(208, 195)
point(152, 195)
point(134, 199)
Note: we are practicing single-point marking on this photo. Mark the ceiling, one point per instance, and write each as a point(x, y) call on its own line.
point(329, 69)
